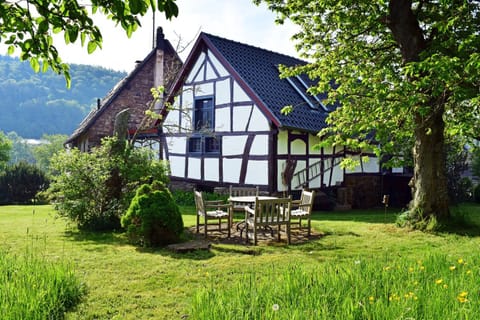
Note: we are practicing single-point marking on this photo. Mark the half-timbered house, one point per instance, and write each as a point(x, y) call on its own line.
point(227, 128)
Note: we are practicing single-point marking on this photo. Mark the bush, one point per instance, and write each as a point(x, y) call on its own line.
point(21, 182)
point(95, 189)
point(153, 218)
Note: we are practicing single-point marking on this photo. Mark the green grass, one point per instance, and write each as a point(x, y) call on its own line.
point(362, 259)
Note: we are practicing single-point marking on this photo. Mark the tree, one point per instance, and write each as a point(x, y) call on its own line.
point(51, 144)
point(21, 149)
point(29, 25)
point(405, 73)
point(21, 182)
point(5, 147)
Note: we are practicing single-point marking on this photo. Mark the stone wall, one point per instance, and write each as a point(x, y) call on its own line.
point(135, 95)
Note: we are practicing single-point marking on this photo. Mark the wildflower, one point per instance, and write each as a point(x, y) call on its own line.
point(438, 281)
point(386, 268)
point(469, 272)
point(452, 268)
point(422, 268)
point(275, 307)
point(371, 299)
point(462, 297)
point(357, 262)
point(445, 286)
point(410, 269)
point(461, 261)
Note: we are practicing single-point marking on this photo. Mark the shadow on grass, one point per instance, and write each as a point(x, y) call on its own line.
point(377, 215)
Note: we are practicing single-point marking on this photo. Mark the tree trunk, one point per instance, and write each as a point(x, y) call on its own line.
point(429, 183)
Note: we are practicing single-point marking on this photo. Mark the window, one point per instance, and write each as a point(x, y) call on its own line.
point(207, 145)
point(212, 145)
point(203, 114)
point(195, 144)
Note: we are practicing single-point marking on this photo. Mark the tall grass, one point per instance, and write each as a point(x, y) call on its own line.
point(33, 288)
point(438, 287)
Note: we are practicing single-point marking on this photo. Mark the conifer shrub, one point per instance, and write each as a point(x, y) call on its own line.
point(153, 218)
point(21, 182)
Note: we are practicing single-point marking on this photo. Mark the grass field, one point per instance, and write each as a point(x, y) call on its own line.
point(126, 282)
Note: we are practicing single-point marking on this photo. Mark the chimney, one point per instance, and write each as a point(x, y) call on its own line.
point(160, 39)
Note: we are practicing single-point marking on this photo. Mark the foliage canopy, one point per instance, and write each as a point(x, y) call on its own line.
point(405, 73)
point(29, 25)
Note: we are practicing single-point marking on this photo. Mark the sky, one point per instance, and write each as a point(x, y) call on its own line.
point(238, 20)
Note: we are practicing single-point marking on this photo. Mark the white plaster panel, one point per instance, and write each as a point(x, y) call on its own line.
point(196, 67)
point(177, 144)
point(220, 69)
point(238, 94)
point(210, 74)
point(328, 150)
point(211, 169)
point(257, 172)
point(171, 122)
point(260, 145)
point(204, 89)
point(194, 168)
point(298, 147)
point(315, 183)
point(222, 93)
point(357, 169)
point(313, 141)
point(372, 165)
point(233, 145)
point(258, 122)
point(241, 115)
point(301, 164)
point(282, 141)
point(397, 170)
point(177, 166)
point(281, 167)
point(337, 176)
point(222, 119)
point(231, 170)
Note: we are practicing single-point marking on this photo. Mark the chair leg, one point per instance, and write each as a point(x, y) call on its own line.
point(198, 223)
point(254, 235)
point(205, 226)
point(278, 232)
point(309, 226)
point(288, 233)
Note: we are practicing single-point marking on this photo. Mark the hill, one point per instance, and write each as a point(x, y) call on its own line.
point(33, 104)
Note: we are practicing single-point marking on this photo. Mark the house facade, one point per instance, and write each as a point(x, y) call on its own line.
point(133, 92)
point(227, 128)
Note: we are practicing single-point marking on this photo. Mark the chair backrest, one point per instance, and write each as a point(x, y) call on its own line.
point(306, 200)
point(272, 211)
point(199, 202)
point(243, 191)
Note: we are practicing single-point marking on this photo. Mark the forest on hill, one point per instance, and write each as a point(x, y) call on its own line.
point(33, 104)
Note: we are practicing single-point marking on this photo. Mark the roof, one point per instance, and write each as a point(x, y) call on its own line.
point(257, 72)
point(104, 104)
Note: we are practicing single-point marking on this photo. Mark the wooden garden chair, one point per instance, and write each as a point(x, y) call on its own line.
point(212, 210)
point(242, 192)
point(302, 209)
point(267, 214)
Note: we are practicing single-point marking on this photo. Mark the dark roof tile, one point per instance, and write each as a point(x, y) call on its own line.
point(259, 69)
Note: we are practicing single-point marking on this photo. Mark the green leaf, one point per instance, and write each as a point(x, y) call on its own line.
point(92, 46)
point(11, 50)
point(34, 64)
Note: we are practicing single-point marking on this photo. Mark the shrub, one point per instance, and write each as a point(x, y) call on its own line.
point(95, 189)
point(21, 182)
point(153, 218)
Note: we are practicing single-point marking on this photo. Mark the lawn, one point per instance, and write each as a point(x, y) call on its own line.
point(126, 282)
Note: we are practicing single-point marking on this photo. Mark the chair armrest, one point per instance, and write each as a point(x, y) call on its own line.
point(211, 202)
point(296, 202)
point(249, 210)
point(217, 205)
